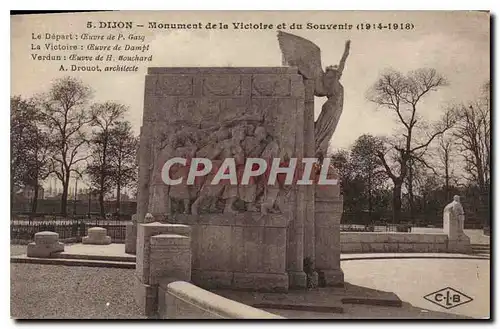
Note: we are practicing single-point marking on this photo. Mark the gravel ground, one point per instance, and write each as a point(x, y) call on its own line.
point(68, 292)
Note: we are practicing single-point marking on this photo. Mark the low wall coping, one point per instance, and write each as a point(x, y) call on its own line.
point(216, 304)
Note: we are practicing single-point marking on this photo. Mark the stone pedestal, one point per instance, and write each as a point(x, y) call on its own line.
point(238, 251)
point(46, 243)
point(170, 257)
point(458, 242)
point(162, 250)
point(328, 212)
point(97, 235)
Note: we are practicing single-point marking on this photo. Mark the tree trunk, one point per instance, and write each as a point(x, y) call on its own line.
point(101, 202)
point(118, 192)
point(34, 203)
point(396, 202)
point(64, 196)
point(411, 198)
point(370, 203)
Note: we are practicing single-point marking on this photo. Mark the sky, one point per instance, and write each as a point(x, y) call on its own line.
point(457, 44)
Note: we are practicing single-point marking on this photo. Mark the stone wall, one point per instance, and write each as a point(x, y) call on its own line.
point(183, 300)
point(365, 242)
point(241, 251)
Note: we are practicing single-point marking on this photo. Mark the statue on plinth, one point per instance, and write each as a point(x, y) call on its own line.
point(306, 56)
point(455, 211)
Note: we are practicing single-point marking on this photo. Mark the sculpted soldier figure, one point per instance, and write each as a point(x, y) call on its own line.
point(184, 147)
point(211, 151)
point(233, 149)
point(306, 56)
point(253, 146)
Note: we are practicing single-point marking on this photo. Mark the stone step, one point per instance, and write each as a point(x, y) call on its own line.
point(66, 255)
point(300, 307)
point(481, 248)
point(72, 262)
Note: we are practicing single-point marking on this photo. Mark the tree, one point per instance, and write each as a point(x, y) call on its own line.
point(446, 152)
point(29, 147)
point(368, 167)
point(104, 118)
point(473, 134)
point(402, 95)
point(123, 150)
point(65, 117)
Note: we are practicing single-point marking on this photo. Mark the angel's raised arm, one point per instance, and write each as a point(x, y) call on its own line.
point(344, 56)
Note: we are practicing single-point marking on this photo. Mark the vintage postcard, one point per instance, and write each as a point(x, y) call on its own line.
point(250, 165)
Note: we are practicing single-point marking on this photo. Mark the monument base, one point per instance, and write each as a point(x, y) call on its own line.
point(297, 280)
point(332, 278)
point(277, 282)
point(460, 245)
point(44, 250)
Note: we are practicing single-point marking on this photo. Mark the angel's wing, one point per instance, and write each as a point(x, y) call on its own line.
point(301, 53)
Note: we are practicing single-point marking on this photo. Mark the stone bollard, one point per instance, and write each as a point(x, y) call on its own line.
point(328, 212)
point(149, 263)
point(97, 235)
point(46, 243)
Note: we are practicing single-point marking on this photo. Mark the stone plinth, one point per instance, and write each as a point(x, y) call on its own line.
point(328, 212)
point(96, 235)
point(46, 243)
point(238, 251)
point(157, 245)
point(453, 226)
point(458, 241)
point(170, 257)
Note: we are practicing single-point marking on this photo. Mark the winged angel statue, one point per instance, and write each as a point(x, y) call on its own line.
point(306, 56)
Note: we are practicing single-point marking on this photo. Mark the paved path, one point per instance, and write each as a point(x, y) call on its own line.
point(409, 255)
point(412, 279)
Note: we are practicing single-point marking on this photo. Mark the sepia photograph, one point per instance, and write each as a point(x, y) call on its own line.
point(250, 165)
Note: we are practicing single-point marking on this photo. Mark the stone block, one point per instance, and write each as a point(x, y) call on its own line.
point(331, 277)
point(171, 257)
point(212, 279)
point(222, 85)
point(144, 234)
point(460, 245)
point(46, 243)
point(96, 235)
point(174, 85)
point(46, 237)
point(350, 247)
point(270, 85)
point(276, 282)
point(297, 280)
point(406, 247)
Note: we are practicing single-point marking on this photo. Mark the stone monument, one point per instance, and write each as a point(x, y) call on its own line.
point(97, 235)
point(453, 226)
point(254, 236)
point(46, 243)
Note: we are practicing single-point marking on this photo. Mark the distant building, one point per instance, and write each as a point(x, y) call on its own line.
point(28, 192)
